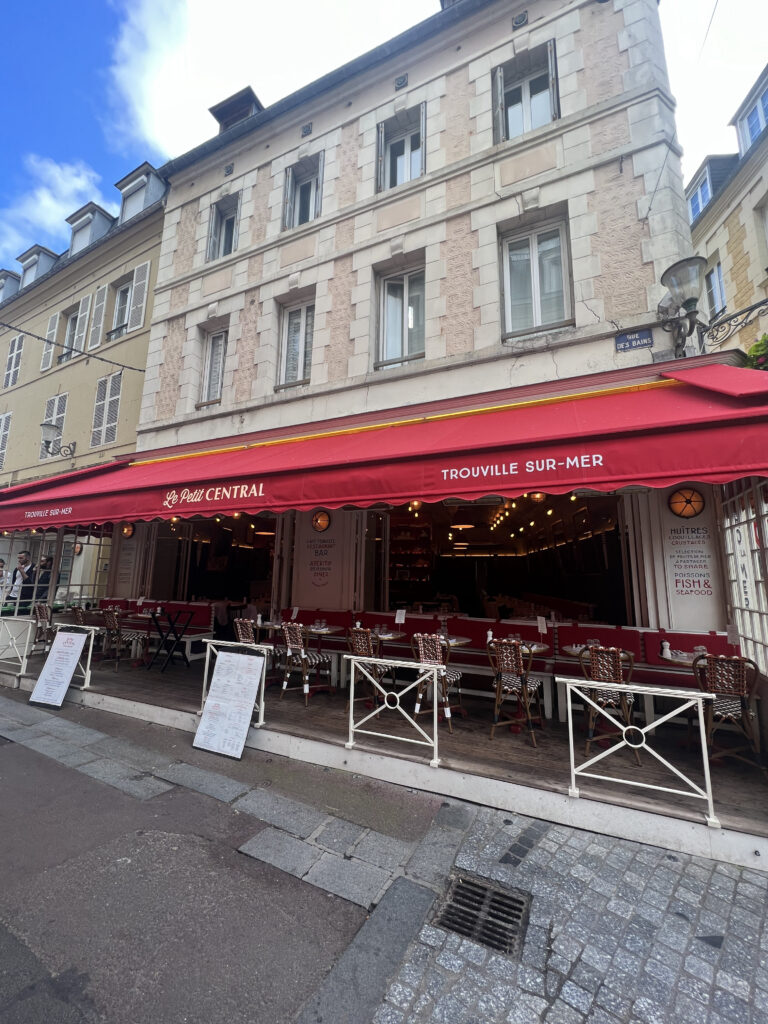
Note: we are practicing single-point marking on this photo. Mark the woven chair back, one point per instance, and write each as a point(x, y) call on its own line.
point(363, 643)
point(42, 613)
point(430, 648)
point(293, 633)
point(509, 656)
point(78, 614)
point(111, 621)
point(244, 631)
point(603, 665)
point(732, 677)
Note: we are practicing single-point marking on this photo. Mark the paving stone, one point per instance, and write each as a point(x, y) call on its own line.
point(339, 836)
point(212, 784)
point(131, 753)
point(433, 858)
point(388, 1015)
point(25, 714)
point(289, 815)
point(730, 1006)
point(432, 936)
point(73, 732)
point(450, 961)
point(527, 1010)
point(353, 880)
point(455, 815)
point(283, 851)
point(576, 996)
point(382, 850)
point(59, 750)
point(125, 778)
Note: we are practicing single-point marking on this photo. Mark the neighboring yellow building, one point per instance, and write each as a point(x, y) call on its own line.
point(73, 323)
point(728, 207)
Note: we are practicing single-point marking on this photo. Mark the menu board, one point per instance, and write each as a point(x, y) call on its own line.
point(63, 657)
point(229, 705)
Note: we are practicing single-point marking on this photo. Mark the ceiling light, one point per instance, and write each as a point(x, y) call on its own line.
point(538, 496)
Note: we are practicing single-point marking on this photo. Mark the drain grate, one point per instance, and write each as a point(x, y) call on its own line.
point(495, 917)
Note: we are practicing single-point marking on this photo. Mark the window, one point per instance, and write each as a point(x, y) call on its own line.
point(700, 196)
point(122, 304)
point(400, 148)
point(754, 121)
point(75, 326)
point(298, 326)
point(14, 361)
point(223, 237)
point(120, 316)
point(715, 291)
point(525, 93)
point(5, 426)
point(106, 409)
point(402, 318)
point(55, 410)
point(302, 196)
point(134, 195)
point(216, 350)
point(534, 283)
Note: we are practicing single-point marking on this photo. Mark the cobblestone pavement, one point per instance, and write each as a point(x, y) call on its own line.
point(618, 932)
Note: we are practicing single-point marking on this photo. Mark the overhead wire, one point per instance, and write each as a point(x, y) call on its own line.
point(71, 349)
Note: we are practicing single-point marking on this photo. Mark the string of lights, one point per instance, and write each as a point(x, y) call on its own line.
point(71, 349)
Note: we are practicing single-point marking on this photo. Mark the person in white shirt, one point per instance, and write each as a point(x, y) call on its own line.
point(5, 581)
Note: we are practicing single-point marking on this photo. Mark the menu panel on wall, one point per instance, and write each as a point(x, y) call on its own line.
point(229, 705)
point(53, 682)
point(694, 582)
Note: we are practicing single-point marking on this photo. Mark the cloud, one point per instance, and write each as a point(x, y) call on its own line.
point(38, 215)
point(173, 59)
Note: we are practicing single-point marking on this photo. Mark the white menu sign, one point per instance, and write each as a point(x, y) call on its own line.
point(63, 657)
point(229, 705)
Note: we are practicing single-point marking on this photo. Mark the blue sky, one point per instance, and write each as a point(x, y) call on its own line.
point(92, 88)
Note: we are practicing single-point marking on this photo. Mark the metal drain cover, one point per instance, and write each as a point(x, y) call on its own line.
point(495, 917)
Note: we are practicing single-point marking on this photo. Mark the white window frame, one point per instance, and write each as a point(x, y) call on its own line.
point(713, 281)
point(55, 413)
point(120, 326)
point(106, 409)
point(760, 110)
point(308, 171)
point(305, 345)
point(5, 429)
point(13, 363)
point(745, 533)
point(220, 243)
point(403, 126)
point(213, 373)
point(405, 279)
point(532, 235)
point(518, 73)
point(700, 197)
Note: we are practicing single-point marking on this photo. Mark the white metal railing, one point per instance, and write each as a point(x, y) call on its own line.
point(15, 641)
point(636, 738)
point(212, 648)
point(363, 670)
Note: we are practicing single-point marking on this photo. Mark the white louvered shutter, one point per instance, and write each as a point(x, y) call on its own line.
point(55, 411)
point(497, 94)
point(82, 323)
point(309, 326)
point(288, 189)
point(98, 412)
point(5, 426)
point(292, 346)
point(215, 231)
point(50, 337)
point(423, 134)
point(97, 323)
point(554, 93)
point(218, 345)
point(14, 361)
point(319, 183)
point(380, 154)
point(113, 408)
point(138, 296)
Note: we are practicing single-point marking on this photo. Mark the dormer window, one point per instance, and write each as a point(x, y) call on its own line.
point(28, 272)
point(139, 189)
point(35, 262)
point(753, 123)
point(700, 196)
point(133, 198)
point(88, 224)
point(237, 108)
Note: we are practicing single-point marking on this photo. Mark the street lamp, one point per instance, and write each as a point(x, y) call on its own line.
point(52, 442)
point(678, 309)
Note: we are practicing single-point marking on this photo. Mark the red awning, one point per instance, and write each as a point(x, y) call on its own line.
point(727, 380)
point(652, 435)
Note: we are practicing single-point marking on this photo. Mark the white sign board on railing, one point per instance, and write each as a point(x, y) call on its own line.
point(59, 668)
point(229, 704)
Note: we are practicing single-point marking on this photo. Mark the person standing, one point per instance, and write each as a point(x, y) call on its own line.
point(5, 581)
point(23, 582)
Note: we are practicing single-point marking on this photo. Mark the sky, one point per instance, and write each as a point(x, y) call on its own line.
point(92, 88)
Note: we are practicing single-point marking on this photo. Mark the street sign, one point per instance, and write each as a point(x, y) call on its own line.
point(634, 339)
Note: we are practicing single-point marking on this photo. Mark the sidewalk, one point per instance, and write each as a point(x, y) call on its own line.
point(616, 931)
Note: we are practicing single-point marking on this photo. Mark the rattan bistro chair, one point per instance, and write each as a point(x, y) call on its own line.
point(733, 680)
point(607, 665)
point(432, 649)
point(511, 663)
point(117, 639)
point(244, 631)
point(299, 658)
point(364, 643)
point(44, 631)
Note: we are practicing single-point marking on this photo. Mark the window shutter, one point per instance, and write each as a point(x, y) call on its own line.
point(309, 327)
point(113, 407)
point(94, 338)
point(554, 94)
point(98, 412)
point(215, 230)
point(82, 323)
point(292, 346)
point(319, 183)
point(380, 156)
point(497, 93)
point(50, 337)
point(138, 296)
point(288, 199)
point(215, 367)
point(5, 426)
point(423, 136)
point(14, 361)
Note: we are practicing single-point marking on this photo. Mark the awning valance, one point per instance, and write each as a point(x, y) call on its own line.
point(652, 435)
